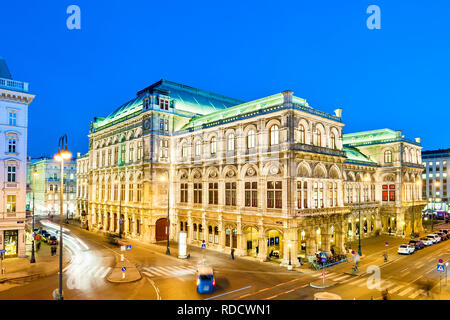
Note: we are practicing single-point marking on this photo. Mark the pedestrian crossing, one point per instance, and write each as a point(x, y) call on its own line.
point(403, 290)
point(168, 271)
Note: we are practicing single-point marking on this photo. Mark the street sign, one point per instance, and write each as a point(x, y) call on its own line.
point(386, 243)
point(203, 245)
point(440, 260)
point(122, 248)
point(323, 255)
point(124, 269)
point(440, 267)
point(128, 247)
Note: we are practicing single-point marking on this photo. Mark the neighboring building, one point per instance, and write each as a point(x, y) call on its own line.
point(260, 176)
point(436, 186)
point(14, 102)
point(82, 203)
point(48, 186)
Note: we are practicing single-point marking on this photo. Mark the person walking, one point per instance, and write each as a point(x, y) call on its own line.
point(232, 253)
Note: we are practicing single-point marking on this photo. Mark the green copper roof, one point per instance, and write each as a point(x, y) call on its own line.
point(370, 136)
point(187, 101)
point(354, 155)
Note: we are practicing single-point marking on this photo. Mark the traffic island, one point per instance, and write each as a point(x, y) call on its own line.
point(130, 274)
point(321, 284)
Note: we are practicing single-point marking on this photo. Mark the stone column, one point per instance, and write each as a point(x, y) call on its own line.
point(262, 244)
point(190, 228)
point(240, 250)
point(21, 244)
point(221, 234)
point(310, 243)
point(205, 228)
point(290, 238)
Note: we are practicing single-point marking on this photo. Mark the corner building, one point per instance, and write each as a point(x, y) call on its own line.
point(272, 175)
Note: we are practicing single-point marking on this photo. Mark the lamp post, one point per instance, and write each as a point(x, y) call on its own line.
point(366, 179)
point(163, 179)
point(33, 258)
point(290, 264)
point(63, 154)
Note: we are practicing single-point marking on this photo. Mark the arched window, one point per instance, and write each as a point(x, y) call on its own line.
point(198, 148)
point(231, 142)
point(251, 139)
point(333, 141)
point(274, 135)
point(388, 156)
point(213, 145)
point(302, 134)
point(318, 138)
point(184, 150)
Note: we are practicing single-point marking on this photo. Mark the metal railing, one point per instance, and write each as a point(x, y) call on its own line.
point(13, 85)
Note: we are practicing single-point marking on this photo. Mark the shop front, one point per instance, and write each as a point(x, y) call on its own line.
point(11, 238)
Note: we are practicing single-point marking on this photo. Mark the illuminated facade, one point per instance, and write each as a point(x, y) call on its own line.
point(14, 102)
point(48, 184)
point(436, 186)
point(263, 177)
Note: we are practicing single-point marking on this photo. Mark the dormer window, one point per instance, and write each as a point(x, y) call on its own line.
point(146, 102)
point(163, 104)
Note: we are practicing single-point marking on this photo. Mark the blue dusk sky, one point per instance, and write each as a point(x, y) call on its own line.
point(396, 77)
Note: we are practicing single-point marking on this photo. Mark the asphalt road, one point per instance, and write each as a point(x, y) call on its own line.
point(170, 278)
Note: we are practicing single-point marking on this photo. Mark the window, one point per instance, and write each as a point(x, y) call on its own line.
point(184, 192)
point(122, 191)
point(11, 203)
point(198, 148)
point(184, 150)
point(139, 150)
point(302, 194)
point(146, 102)
point(116, 155)
point(231, 142)
point(131, 152)
point(302, 135)
point(122, 154)
point(11, 173)
point(116, 192)
point(318, 138)
point(163, 104)
point(51, 187)
point(130, 192)
point(12, 116)
point(139, 192)
point(108, 193)
point(274, 135)
point(164, 148)
point(109, 157)
point(274, 194)
point(198, 193)
point(164, 125)
point(251, 194)
point(213, 145)
point(11, 145)
point(388, 156)
point(213, 193)
point(388, 192)
point(230, 193)
point(251, 139)
point(333, 141)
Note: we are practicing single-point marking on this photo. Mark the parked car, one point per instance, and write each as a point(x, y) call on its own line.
point(112, 239)
point(405, 249)
point(206, 281)
point(446, 231)
point(442, 235)
point(418, 244)
point(52, 240)
point(434, 237)
point(427, 241)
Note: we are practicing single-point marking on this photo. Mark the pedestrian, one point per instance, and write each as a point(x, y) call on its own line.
point(38, 246)
point(232, 253)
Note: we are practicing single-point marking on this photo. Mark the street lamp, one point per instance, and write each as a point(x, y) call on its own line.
point(33, 258)
point(290, 265)
point(63, 154)
point(163, 179)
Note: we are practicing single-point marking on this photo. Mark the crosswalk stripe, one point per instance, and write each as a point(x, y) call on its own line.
point(165, 270)
point(405, 291)
point(331, 275)
point(386, 284)
point(106, 272)
point(397, 288)
point(155, 272)
point(358, 281)
point(342, 277)
point(416, 293)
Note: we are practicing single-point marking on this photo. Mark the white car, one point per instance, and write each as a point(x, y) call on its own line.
point(427, 241)
point(405, 249)
point(434, 237)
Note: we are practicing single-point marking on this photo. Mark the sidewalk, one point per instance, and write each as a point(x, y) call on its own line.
point(20, 269)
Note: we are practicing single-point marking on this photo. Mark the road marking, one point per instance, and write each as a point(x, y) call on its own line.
point(405, 291)
point(227, 293)
point(285, 292)
point(265, 289)
point(340, 278)
point(153, 271)
point(386, 284)
point(356, 282)
point(416, 293)
point(419, 265)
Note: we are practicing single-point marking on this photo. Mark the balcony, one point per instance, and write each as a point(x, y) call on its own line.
point(317, 149)
point(11, 185)
point(13, 85)
point(321, 211)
